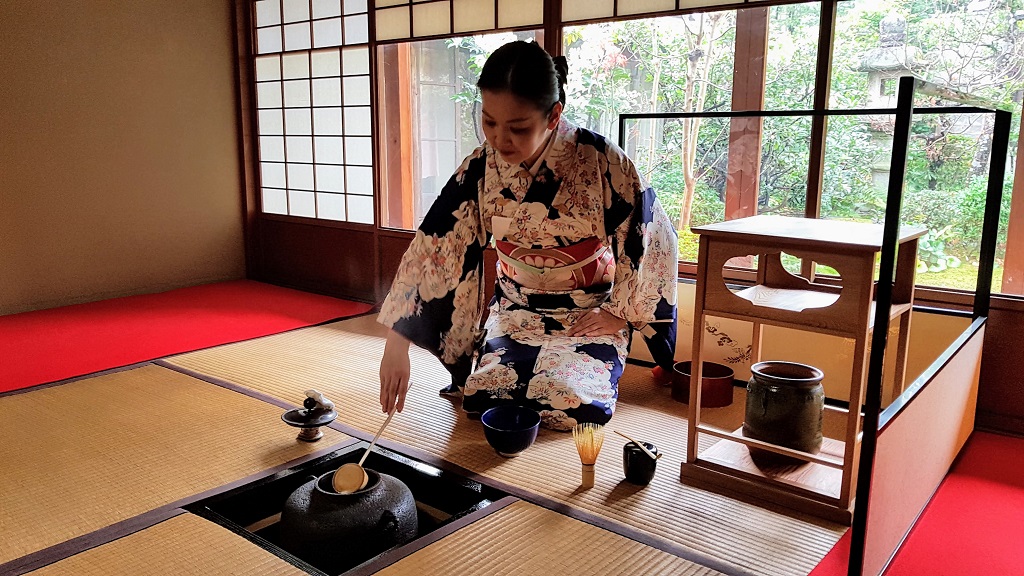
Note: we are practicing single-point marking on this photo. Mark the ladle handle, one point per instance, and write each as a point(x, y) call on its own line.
point(374, 442)
point(642, 447)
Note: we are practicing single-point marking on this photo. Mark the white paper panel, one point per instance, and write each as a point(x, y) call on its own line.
point(298, 122)
point(327, 91)
point(296, 93)
point(583, 9)
point(702, 3)
point(358, 150)
point(355, 61)
point(295, 65)
point(272, 148)
point(268, 67)
point(268, 40)
point(357, 29)
point(520, 13)
point(355, 6)
point(271, 123)
point(327, 32)
point(296, 36)
point(392, 23)
point(296, 10)
point(327, 121)
point(300, 176)
point(325, 63)
point(329, 149)
point(301, 204)
point(431, 19)
point(275, 201)
point(268, 95)
point(360, 180)
point(326, 8)
point(357, 121)
point(360, 209)
point(272, 174)
point(330, 206)
point(384, 3)
point(330, 178)
point(471, 15)
point(645, 6)
point(299, 148)
point(356, 90)
point(268, 12)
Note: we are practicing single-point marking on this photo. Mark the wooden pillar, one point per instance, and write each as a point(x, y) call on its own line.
point(1013, 264)
point(397, 125)
point(748, 94)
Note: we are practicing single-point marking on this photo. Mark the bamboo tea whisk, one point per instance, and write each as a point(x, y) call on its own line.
point(589, 438)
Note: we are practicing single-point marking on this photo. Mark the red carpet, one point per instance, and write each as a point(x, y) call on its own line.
point(49, 345)
point(974, 524)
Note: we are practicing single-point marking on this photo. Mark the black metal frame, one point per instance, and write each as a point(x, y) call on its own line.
point(904, 113)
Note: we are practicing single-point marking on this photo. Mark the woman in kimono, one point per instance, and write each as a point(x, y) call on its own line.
point(586, 256)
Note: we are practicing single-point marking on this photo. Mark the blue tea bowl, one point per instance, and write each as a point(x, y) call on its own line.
point(510, 429)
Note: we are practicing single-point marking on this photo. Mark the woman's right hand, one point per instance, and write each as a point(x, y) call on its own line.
point(394, 372)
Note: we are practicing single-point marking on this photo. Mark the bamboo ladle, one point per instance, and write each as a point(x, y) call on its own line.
point(352, 477)
point(642, 447)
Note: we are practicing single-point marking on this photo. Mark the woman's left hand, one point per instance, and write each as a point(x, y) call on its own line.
point(597, 322)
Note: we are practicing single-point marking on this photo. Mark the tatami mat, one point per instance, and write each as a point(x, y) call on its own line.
point(342, 359)
point(84, 455)
point(526, 539)
point(185, 544)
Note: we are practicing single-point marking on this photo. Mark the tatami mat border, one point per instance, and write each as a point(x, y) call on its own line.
point(45, 385)
point(145, 520)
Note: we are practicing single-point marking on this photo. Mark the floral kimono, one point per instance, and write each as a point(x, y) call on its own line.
point(578, 230)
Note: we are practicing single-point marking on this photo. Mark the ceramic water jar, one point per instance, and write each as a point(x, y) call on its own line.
point(785, 404)
point(329, 529)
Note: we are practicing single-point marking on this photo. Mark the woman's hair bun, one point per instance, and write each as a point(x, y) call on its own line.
point(562, 69)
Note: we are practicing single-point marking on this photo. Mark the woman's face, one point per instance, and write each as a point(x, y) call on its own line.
point(515, 127)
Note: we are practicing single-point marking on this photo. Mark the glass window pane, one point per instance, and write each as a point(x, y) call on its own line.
point(360, 209)
point(330, 206)
point(356, 61)
point(792, 56)
point(268, 12)
point(392, 23)
point(298, 122)
point(268, 67)
point(357, 121)
point(268, 40)
point(271, 122)
point(295, 65)
point(275, 201)
point(327, 121)
point(296, 36)
point(296, 93)
point(296, 10)
point(325, 63)
point(272, 148)
point(268, 95)
point(355, 6)
point(356, 90)
point(327, 92)
point(329, 150)
point(358, 150)
point(330, 178)
point(301, 203)
point(431, 19)
point(326, 8)
point(272, 174)
point(360, 180)
point(356, 29)
point(327, 32)
point(300, 176)
point(299, 148)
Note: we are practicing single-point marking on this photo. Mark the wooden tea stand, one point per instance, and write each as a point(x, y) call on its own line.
point(825, 486)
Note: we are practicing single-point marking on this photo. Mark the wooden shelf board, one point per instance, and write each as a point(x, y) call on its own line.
point(777, 316)
point(806, 232)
